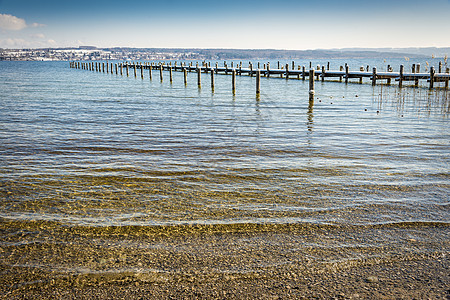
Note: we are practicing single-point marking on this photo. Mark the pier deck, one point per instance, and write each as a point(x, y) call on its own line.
point(430, 77)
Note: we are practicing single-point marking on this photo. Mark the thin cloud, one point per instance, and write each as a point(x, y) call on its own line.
point(38, 36)
point(35, 25)
point(13, 23)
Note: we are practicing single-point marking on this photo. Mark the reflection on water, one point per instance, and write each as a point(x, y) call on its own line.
point(422, 101)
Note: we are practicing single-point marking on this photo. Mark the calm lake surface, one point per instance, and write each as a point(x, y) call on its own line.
point(87, 151)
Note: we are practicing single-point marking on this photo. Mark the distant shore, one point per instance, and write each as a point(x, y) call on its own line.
point(123, 53)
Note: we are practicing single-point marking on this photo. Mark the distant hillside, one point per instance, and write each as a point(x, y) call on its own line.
point(223, 54)
point(429, 51)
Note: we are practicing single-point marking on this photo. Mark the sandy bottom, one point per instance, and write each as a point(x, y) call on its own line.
point(321, 263)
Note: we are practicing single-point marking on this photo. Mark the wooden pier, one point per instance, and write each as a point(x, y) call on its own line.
point(299, 73)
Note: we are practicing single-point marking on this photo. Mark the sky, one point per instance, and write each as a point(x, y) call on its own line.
point(239, 24)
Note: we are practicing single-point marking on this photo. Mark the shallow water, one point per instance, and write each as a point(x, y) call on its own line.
point(85, 150)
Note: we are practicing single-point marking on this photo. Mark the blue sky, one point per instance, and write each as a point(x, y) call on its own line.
point(276, 24)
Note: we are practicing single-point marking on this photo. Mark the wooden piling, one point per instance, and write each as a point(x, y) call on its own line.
point(199, 77)
point(374, 76)
point(440, 67)
point(233, 81)
point(251, 69)
point(268, 70)
point(400, 78)
point(311, 84)
point(161, 72)
point(134, 66)
point(170, 74)
point(258, 82)
point(142, 71)
point(150, 72)
point(346, 73)
point(323, 73)
point(185, 76)
point(117, 69)
point(447, 70)
point(212, 79)
point(432, 73)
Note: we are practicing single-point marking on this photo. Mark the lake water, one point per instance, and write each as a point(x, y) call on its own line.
point(89, 151)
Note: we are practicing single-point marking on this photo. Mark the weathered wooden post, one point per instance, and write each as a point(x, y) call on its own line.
point(142, 71)
point(447, 70)
point(258, 82)
point(374, 76)
point(287, 71)
point(233, 81)
point(323, 73)
point(440, 67)
point(112, 72)
point(251, 69)
point(103, 67)
point(416, 82)
point(128, 70)
point(134, 66)
point(346, 73)
point(432, 73)
point(170, 74)
point(161, 72)
point(117, 69)
point(268, 70)
point(293, 65)
point(212, 79)
point(278, 65)
point(185, 76)
point(311, 84)
point(400, 79)
point(303, 72)
point(328, 66)
point(150, 71)
point(199, 77)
